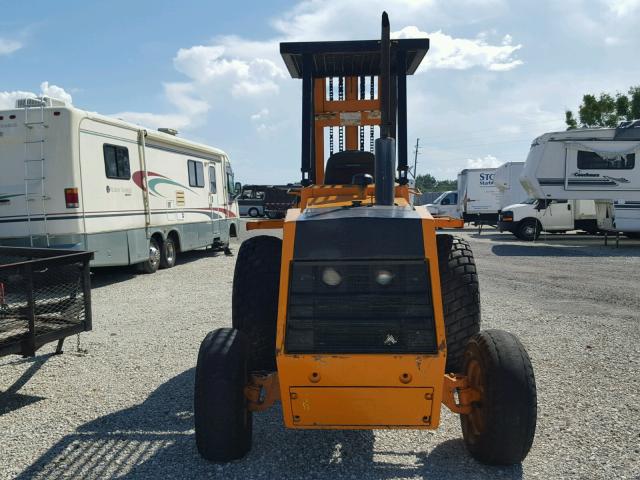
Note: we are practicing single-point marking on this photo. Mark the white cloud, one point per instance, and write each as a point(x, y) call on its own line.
point(622, 8)
point(8, 99)
point(447, 52)
point(9, 46)
point(488, 161)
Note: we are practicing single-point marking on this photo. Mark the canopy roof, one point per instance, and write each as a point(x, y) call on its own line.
point(352, 58)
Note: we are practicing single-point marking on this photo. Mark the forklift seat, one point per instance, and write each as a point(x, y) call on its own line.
point(342, 166)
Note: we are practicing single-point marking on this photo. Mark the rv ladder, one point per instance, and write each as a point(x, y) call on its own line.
point(34, 178)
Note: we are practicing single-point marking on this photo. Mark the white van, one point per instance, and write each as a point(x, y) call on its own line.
point(446, 205)
point(528, 219)
point(79, 180)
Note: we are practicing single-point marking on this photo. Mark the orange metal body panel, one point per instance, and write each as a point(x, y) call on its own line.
point(265, 224)
point(385, 379)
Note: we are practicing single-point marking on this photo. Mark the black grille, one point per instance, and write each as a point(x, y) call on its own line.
point(359, 314)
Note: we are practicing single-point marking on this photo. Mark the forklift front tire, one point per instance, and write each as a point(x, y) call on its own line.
point(501, 426)
point(223, 423)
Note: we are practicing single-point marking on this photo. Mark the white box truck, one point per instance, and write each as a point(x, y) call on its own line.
point(79, 180)
point(478, 200)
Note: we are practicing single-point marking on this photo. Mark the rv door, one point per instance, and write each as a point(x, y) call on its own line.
point(215, 192)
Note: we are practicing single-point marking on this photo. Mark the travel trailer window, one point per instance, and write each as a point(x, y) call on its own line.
point(594, 161)
point(116, 162)
point(213, 187)
point(196, 173)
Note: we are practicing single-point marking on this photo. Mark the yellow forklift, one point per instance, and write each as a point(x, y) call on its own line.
point(362, 316)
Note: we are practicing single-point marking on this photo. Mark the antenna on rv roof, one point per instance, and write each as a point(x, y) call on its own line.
point(169, 131)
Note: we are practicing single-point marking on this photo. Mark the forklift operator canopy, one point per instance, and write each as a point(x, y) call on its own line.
point(352, 58)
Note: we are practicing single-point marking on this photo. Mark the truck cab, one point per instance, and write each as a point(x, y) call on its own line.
point(445, 205)
point(528, 219)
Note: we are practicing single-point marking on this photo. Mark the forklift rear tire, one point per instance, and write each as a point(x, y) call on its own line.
point(501, 426)
point(256, 284)
point(460, 296)
point(222, 422)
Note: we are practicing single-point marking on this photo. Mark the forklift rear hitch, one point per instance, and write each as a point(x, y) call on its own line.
point(262, 391)
point(458, 396)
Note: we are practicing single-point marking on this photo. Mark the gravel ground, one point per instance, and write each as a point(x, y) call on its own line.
point(124, 408)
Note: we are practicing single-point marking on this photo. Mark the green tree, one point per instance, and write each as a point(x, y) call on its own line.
point(605, 110)
point(428, 183)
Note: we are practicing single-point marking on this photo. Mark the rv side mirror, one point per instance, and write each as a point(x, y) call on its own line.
point(237, 188)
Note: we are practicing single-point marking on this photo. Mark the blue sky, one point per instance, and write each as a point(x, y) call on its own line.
point(498, 73)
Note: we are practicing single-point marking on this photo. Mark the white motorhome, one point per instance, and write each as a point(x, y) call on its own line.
point(507, 181)
point(79, 180)
point(446, 205)
point(528, 219)
point(596, 164)
point(478, 200)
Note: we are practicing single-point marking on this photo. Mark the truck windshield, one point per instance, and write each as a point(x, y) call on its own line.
point(439, 199)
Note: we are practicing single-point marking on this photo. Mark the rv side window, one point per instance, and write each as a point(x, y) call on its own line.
point(213, 187)
point(594, 161)
point(196, 173)
point(116, 162)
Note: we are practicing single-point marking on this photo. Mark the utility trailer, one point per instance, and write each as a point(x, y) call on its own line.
point(45, 296)
point(598, 164)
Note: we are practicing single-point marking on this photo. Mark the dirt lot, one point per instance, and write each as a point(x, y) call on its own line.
point(124, 408)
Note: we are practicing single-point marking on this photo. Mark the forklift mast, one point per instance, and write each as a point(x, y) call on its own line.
point(354, 66)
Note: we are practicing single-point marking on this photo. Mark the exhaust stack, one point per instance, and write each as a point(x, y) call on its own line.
point(385, 163)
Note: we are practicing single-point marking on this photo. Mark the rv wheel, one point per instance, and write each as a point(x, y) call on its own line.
point(501, 426)
point(153, 263)
point(169, 253)
point(222, 422)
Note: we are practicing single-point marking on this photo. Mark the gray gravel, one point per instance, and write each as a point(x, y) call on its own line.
point(124, 408)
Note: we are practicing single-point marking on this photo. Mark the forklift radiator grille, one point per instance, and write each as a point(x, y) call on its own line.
point(360, 307)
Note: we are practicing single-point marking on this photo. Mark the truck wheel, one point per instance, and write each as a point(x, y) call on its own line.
point(253, 212)
point(152, 264)
point(169, 253)
point(501, 426)
point(528, 230)
point(460, 296)
point(272, 215)
point(256, 283)
point(222, 422)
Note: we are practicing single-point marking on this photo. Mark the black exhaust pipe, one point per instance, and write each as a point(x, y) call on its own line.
point(385, 163)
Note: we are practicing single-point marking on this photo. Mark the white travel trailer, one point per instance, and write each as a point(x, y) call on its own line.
point(478, 196)
point(79, 180)
point(596, 164)
point(507, 181)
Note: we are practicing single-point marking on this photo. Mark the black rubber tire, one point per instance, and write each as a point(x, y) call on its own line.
point(256, 284)
point(152, 265)
point(169, 253)
point(508, 409)
point(273, 215)
point(460, 296)
point(253, 212)
point(528, 230)
point(222, 422)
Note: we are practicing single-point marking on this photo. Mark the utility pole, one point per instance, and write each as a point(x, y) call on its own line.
point(415, 158)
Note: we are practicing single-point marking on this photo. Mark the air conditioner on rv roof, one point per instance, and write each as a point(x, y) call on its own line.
point(39, 102)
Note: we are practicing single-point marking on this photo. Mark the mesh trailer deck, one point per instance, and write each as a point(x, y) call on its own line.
point(45, 296)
